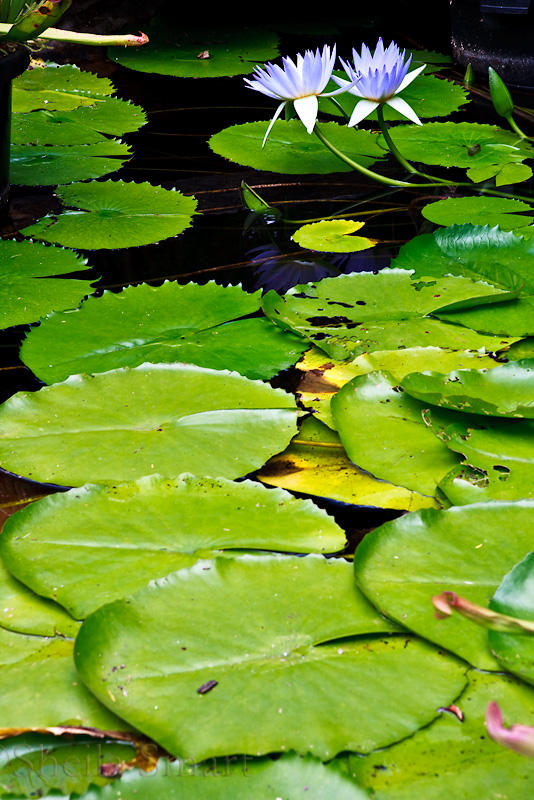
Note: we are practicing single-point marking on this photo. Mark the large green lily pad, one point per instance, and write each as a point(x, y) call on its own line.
point(243, 778)
point(453, 759)
point(112, 214)
point(291, 150)
point(316, 463)
point(29, 288)
point(514, 597)
point(39, 686)
point(126, 423)
point(170, 323)
point(198, 683)
point(503, 391)
point(479, 211)
point(96, 544)
point(58, 88)
point(201, 53)
point(384, 432)
point(464, 549)
point(46, 166)
point(348, 305)
point(477, 251)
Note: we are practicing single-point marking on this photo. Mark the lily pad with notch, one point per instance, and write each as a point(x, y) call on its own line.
point(479, 210)
point(57, 87)
point(45, 166)
point(333, 236)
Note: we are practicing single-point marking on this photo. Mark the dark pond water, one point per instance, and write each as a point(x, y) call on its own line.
point(223, 245)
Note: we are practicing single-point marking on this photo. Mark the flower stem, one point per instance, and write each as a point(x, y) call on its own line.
point(515, 127)
point(395, 151)
point(59, 35)
point(368, 172)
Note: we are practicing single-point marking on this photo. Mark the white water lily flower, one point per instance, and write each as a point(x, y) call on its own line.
point(382, 76)
point(301, 83)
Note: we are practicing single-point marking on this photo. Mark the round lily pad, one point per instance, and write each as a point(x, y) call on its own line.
point(291, 150)
point(156, 418)
point(114, 214)
point(46, 166)
point(479, 211)
point(197, 681)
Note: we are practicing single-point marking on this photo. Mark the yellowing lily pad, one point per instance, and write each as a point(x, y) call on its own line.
point(333, 236)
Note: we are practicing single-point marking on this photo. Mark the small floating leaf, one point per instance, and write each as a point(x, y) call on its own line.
point(291, 150)
point(92, 545)
point(269, 667)
point(332, 236)
point(156, 418)
point(28, 289)
point(115, 214)
point(173, 51)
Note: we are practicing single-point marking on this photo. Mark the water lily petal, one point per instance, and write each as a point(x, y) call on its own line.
point(271, 123)
point(411, 76)
point(363, 109)
point(307, 108)
point(519, 737)
point(403, 108)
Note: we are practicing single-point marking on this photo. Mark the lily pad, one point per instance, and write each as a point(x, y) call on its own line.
point(427, 95)
point(170, 323)
point(333, 236)
point(241, 779)
point(342, 307)
point(115, 214)
point(126, 423)
point(291, 150)
point(460, 144)
point(384, 432)
point(31, 765)
point(23, 611)
point(504, 391)
point(39, 686)
point(500, 451)
point(479, 211)
point(477, 251)
point(514, 318)
point(201, 698)
point(46, 166)
point(58, 88)
point(316, 463)
point(323, 378)
point(514, 598)
point(465, 549)
point(202, 53)
point(453, 758)
point(96, 544)
point(28, 288)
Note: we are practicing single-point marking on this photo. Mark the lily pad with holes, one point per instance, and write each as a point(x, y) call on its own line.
point(240, 778)
point(58, 88)
point(427, 95)
point(113, 214)
point(29, 288)
point(156, 418)
point(96, 544)
point(504, 391)
point(455, 757)
point(291, 150)
point(503, 258)
point(217, 678)
point(201, 53)
point(366, 305)
point(479, 211)
point(500, 451)
point(40, 688)
point(44, 166)
point(515, 652)
point(316, 463)
point(465, 549)
point(384, 432)
point(461, 144)
point(333, 236)
point(170, 323)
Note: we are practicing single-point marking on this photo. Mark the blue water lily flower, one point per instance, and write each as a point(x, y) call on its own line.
point(300, 83)
point(382, 76)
